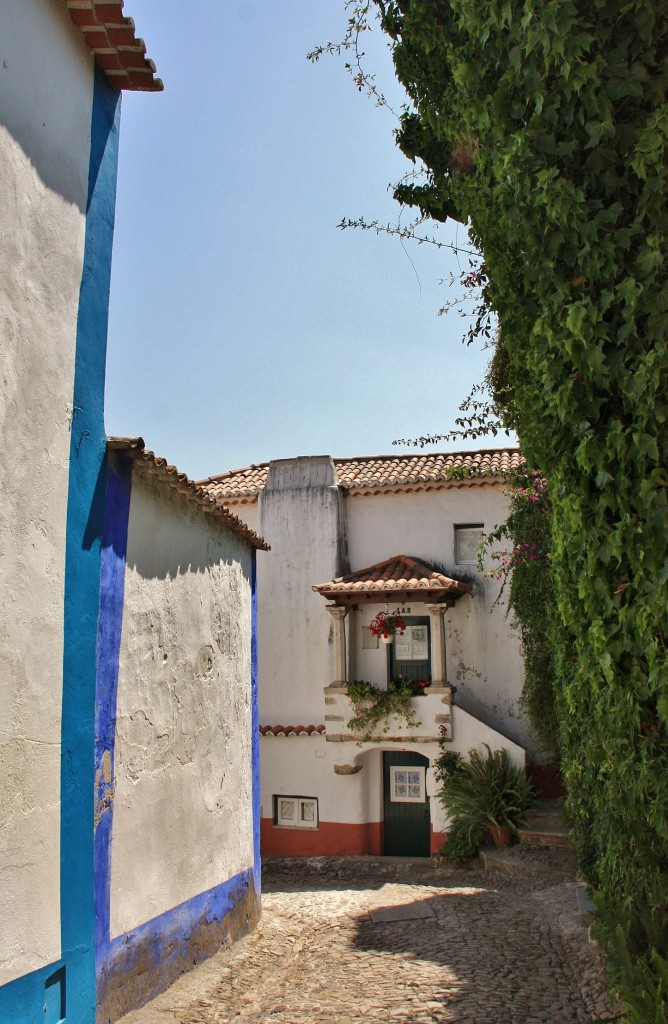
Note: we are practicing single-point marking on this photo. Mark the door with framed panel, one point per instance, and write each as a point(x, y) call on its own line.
point(410, 654)
point(407, 824)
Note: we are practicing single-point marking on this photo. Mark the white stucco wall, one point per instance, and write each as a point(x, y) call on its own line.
point(300, 516)
point(482, 651)
point(45, 109)
point(182, 819)
point(304, 766)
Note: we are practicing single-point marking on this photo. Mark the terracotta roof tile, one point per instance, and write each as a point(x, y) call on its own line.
point(292, 730)
point(395, 577)
point(111, 38)
point(148, 462)
point(374, 474)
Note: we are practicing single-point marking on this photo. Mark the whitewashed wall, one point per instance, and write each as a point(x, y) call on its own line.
point(45, 111)
point(301, 517)
point(183, 802)
point(482, 651)
point(304, 766)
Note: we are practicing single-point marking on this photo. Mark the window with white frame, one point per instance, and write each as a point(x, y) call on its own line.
point(407, 784)
point(296, 811)
point(468, 538)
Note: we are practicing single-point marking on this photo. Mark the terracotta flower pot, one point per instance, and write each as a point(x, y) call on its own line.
point(501, 835)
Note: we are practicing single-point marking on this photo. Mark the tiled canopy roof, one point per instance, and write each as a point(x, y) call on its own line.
point(292, 730)
point(396, 579)
point(375, 474)
point(148, 462)
point(111, 37)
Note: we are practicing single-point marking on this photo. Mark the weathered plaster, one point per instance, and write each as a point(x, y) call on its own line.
point(482, 651)
point(183, 815)
point(141, 965)
point(45, 129)
point(301, 515)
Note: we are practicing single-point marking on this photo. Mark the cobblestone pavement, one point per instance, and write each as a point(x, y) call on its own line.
point(348, 946)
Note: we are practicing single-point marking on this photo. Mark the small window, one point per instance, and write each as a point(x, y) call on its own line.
point(407, 785)
point(467, 541)
point(296, 811)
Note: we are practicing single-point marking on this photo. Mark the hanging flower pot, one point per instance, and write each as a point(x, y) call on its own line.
point(386, 624)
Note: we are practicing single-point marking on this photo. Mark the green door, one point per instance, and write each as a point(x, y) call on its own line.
point(407, 821)
point(410, 654)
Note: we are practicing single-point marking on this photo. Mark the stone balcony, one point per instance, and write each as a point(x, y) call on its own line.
point(432, 710)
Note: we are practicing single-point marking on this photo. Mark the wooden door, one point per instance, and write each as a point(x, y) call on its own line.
point(407, 824)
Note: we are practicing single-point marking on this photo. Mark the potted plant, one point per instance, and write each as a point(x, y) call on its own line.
point(386, 624)
point(487, 793)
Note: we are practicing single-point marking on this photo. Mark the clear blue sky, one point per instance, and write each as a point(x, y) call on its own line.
point(244, 326)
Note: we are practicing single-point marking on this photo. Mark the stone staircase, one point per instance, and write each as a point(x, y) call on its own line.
point(546, 826)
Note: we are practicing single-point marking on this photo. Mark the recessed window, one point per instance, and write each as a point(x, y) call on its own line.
point(296, 811)
point(467, 541)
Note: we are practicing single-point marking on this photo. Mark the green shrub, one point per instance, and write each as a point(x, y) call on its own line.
point(488, 790)
point(463, 841)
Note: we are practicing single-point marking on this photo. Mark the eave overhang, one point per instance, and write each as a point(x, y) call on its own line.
point(397, 580)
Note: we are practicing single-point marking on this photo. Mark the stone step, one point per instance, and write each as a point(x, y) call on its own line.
point(520, 861)
point(551, 819)
point(546, 835)
point(553, 814)
point(546, 826)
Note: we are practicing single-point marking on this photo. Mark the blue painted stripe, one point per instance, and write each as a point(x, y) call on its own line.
point(22, 1001)
point(169, 941)
point(167, 938)
point(112, 591)
point(85, 517)
point(255, 726)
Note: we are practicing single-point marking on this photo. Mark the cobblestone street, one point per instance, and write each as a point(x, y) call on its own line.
point(383, 943)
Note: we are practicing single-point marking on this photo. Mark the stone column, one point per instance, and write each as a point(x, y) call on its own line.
point(439, 675)
point(340, 661)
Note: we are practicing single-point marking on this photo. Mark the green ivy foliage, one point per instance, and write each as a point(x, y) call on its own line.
point(544, 128)
point(525, 567)
point(374, 708)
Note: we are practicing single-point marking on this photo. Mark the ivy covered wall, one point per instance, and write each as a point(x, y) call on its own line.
point(545, 126)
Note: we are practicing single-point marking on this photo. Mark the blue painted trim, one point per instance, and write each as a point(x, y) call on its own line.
point(85, 518)
point(173, 936)
point(168, 937)
point(110, 622)
point(22, 1001)
point(255, 726)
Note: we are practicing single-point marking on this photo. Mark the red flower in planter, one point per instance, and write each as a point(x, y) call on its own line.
point(386, 624)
